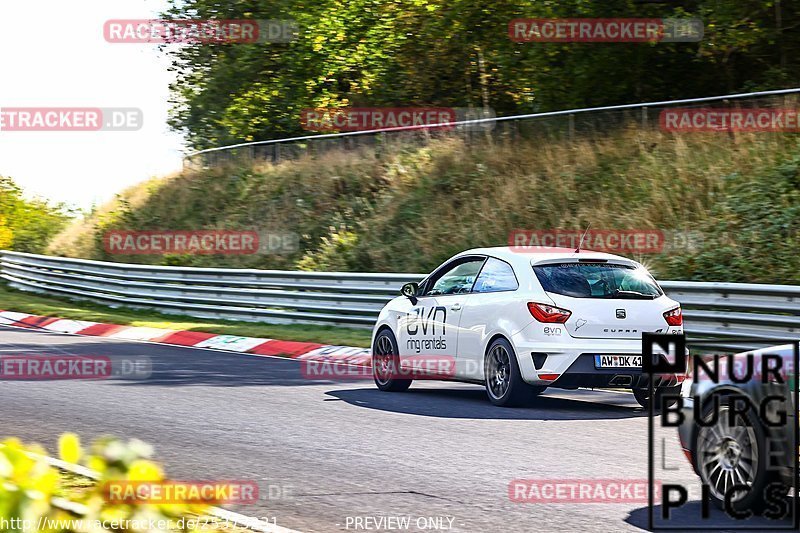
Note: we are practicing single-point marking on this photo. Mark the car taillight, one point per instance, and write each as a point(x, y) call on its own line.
point(548, 313)
point(674, 317)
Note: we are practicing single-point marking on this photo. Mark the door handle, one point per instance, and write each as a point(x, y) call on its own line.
point(455, 307)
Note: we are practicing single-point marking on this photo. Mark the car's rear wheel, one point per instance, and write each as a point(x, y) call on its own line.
point(664, 397)
point(504, 384)
point(732, 450)
point(386, 363)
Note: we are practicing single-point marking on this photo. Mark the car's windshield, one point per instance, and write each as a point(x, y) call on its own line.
point(597, 280)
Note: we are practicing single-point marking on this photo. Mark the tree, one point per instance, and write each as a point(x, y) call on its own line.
point(458, 53)
point(27, 225)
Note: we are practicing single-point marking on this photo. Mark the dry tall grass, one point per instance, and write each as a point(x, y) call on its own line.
point(408, 208)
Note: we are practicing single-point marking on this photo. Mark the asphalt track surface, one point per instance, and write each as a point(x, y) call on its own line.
point(327, 452)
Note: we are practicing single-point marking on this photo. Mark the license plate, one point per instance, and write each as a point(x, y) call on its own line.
point(618, 361)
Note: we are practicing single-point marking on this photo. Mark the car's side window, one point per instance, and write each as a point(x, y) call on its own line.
point(496, 276)
point(455, 280)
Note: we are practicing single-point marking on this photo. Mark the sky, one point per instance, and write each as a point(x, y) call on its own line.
point(55, 55)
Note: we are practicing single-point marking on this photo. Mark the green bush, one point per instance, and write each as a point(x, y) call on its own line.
point(337, 252)
point(27, 225)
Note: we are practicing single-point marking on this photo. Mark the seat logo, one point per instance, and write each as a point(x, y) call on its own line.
point(621, 313)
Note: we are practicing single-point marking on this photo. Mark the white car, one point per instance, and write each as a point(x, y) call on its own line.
point(521, 321)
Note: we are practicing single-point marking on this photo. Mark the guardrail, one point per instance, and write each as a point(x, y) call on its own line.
point(755, 313)
point(277, 296)
point(589, 118)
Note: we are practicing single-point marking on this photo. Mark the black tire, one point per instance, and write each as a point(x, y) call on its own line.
point(664, 397)
point(746, 459)
point(504, 384)
point(385, 361)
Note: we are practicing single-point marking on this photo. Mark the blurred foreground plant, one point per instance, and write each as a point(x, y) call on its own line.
point(32, 500)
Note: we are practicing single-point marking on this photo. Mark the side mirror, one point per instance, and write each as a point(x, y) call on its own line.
point(410, 290)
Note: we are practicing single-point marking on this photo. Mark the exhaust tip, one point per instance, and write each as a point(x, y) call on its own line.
point(621, 380)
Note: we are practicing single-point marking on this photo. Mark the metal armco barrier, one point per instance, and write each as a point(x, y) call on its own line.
point(755, 312)
point(277, 149)
point(276, 296)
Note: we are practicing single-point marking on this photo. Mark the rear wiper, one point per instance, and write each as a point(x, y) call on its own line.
point(632, 295)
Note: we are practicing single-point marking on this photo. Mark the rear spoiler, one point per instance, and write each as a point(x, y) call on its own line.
point(585, 260)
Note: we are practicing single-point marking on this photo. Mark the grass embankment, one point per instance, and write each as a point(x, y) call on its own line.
point(25, 302)
point(405, 209)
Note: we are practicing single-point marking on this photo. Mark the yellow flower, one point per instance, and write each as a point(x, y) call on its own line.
point(142, 470)
point(6, 468)
point(69, 448)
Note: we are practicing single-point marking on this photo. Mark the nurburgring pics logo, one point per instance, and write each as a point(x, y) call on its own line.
point(685, 120)
point(734, 423)
point(197, 31)
point(742, 368)
point(188, 492)
point(71, 119)
point(605, 30)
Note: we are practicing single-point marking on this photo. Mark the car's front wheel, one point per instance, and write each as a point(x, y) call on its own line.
point(731, 449)
point(386, 363)
point(504, 384)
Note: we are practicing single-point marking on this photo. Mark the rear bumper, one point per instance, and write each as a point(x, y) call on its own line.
point(572, 365)
point(582, 373)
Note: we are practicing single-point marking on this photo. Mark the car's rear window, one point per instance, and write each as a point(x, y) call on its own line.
point(597, 280)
